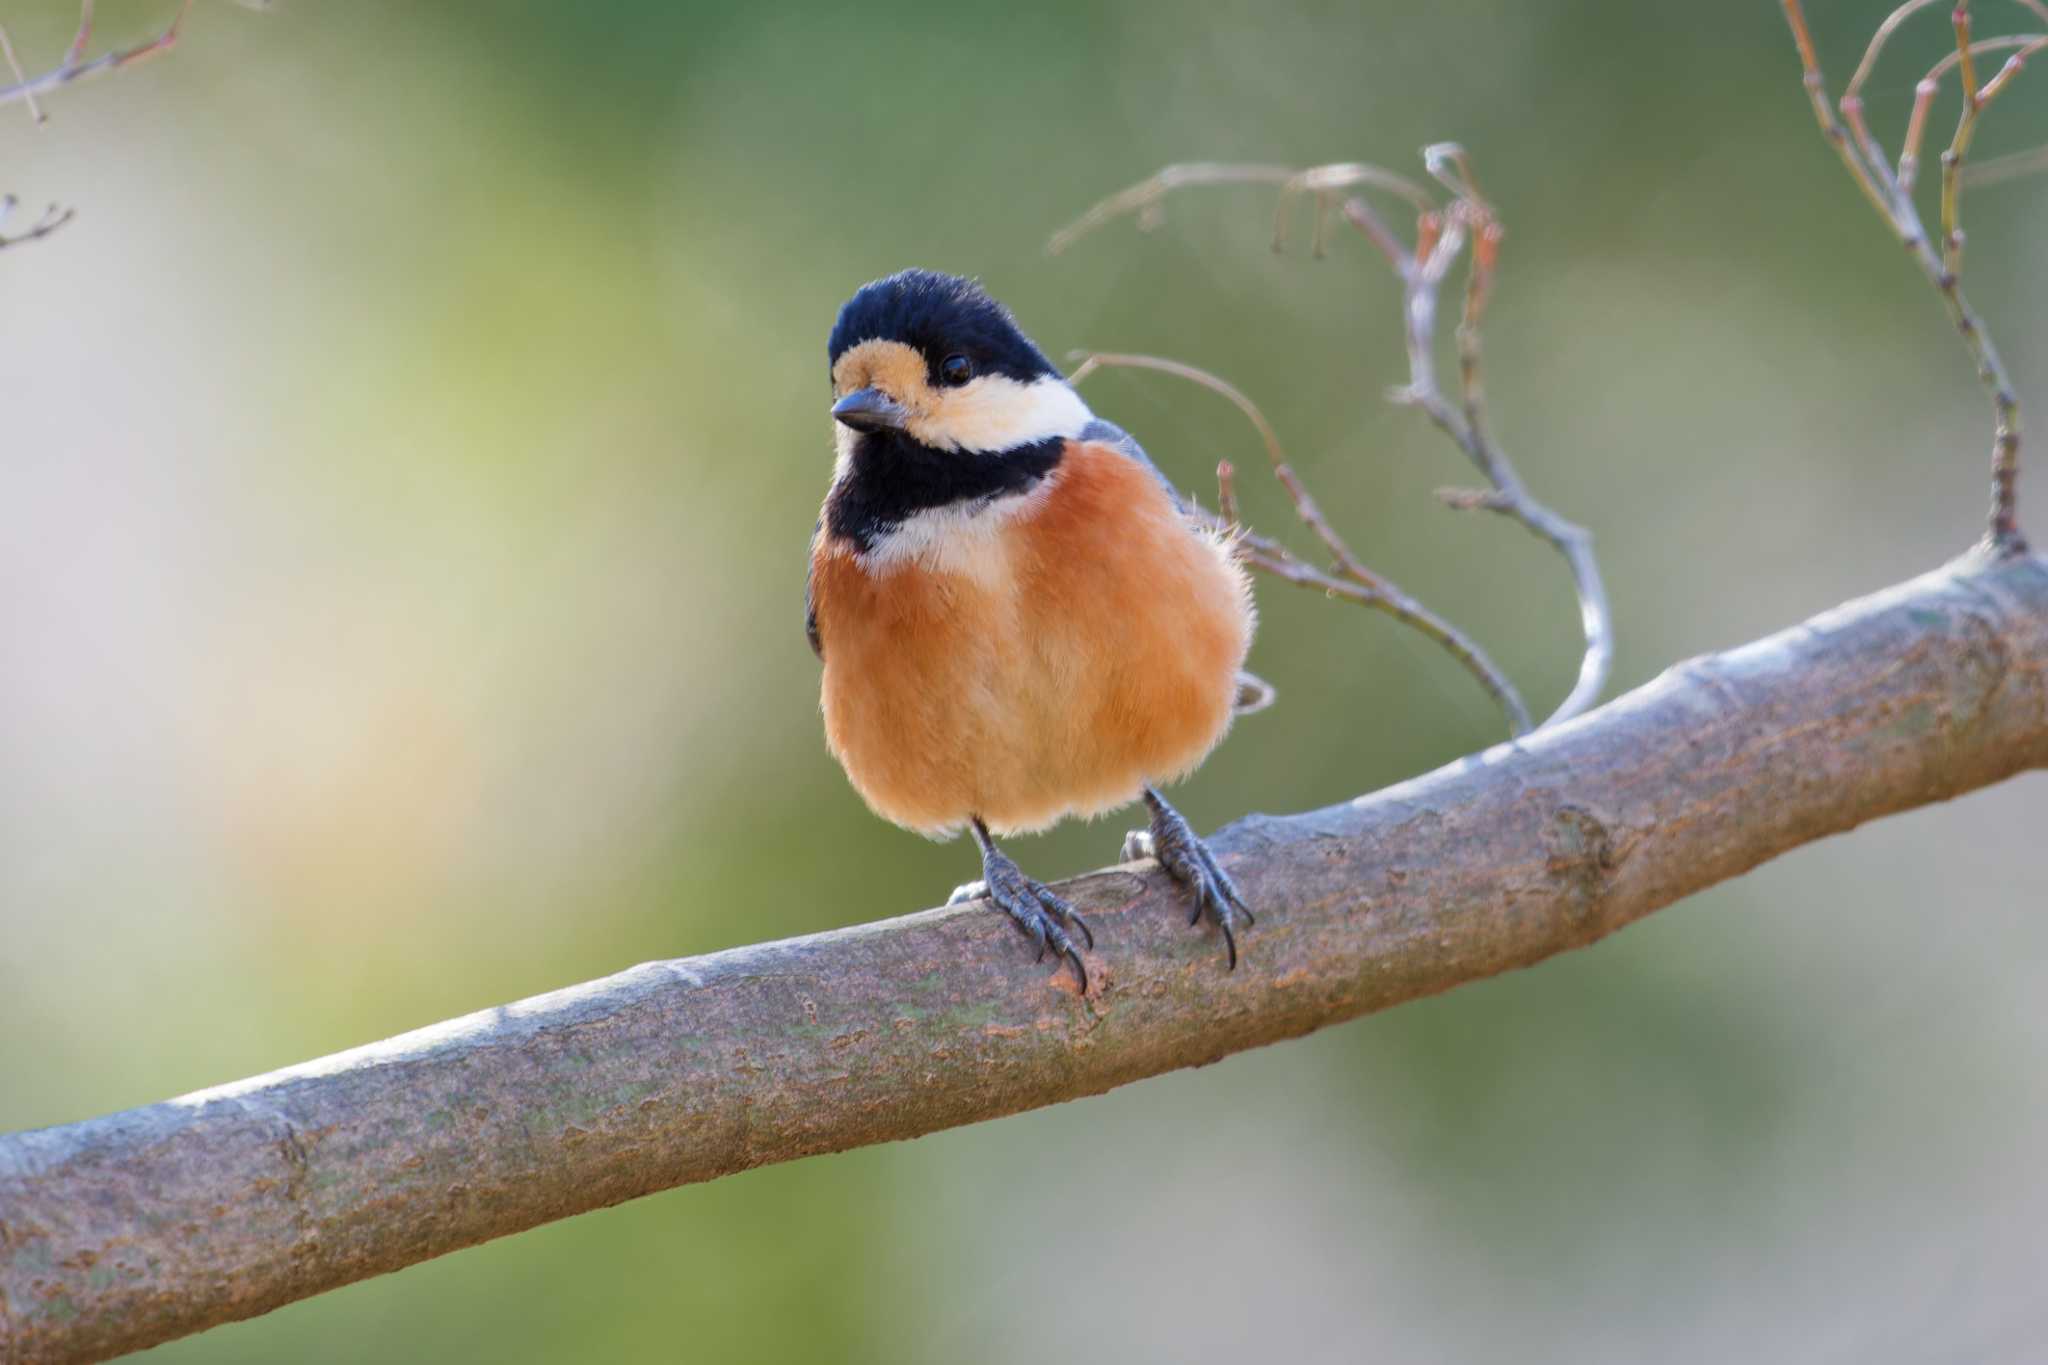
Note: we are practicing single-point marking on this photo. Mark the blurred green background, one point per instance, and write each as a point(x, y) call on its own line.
point(409, 455)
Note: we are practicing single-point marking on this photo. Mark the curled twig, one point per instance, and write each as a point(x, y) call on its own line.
point(1348, 578)
point(1890, 192)
point(1442, 236)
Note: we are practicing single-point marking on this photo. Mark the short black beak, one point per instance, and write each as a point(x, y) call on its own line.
point(869, 410)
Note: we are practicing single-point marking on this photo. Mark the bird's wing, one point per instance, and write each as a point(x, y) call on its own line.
point(1253, 692)
point(1121, 441)
point(810, 600)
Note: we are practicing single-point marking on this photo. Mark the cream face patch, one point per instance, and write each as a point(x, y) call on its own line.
point(990, 413)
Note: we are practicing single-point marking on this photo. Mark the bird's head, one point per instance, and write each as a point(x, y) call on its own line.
point(932, 358)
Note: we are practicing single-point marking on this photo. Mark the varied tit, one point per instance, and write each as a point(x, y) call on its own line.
point(1017, 621)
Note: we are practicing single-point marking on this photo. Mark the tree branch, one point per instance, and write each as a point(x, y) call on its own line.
point(129, 1230)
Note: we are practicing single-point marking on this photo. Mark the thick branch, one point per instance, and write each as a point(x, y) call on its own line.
point(132, 1229)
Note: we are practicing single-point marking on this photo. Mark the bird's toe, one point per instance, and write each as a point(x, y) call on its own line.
point(1187, 860)
point(1042, 915)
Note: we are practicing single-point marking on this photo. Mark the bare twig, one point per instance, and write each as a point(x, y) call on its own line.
point(1143, 199)
point(53, 218)
point(1226, 492)
point(2034, 42)
point(74, 68)
point(1868, 65)
point(2002, 168)
point(1928, 88)
point(1351, 580)
point(1892, 196)
point(1878, 39)
point(129, 1230)
point(1324, 182)
point(35, 112)
point(76, 53)
point(1441, 240)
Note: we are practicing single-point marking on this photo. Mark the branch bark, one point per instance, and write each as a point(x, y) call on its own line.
point(125, 1231)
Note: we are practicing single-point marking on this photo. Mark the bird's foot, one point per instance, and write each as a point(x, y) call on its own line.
point(1188, 861)
point(1042, 916)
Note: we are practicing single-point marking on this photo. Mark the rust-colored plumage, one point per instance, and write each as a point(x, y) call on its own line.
point(1083, 646)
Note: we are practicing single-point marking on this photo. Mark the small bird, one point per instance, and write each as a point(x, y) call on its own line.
point(1017, 619)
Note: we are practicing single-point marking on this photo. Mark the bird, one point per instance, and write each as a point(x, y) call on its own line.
point(1018, 618)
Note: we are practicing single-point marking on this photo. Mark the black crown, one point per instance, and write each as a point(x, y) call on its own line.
point(939, 315)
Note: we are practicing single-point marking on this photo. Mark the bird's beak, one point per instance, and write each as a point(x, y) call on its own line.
point(869, 410)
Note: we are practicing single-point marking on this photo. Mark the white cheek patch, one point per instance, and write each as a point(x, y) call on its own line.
point(844, 441)
point(996, 412)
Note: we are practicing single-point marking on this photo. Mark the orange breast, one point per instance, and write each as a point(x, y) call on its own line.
point(1045, 664)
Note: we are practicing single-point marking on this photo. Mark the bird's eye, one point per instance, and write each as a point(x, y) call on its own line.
point(956, 369)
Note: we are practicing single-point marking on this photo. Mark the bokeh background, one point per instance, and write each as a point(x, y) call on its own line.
point(406, 463)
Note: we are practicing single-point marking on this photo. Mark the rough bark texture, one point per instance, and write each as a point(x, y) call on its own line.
point(128, 1230)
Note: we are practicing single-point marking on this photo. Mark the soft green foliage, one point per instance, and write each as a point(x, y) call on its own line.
point(409, 457)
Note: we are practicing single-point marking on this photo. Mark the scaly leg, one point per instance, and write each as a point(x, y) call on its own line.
point(1190, 863)
point(1038, 912)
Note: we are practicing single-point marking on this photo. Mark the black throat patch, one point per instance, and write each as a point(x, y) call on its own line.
point(892, 478)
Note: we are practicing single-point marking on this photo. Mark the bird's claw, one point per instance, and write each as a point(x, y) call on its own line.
point(1188, 861)
point(1042, 916)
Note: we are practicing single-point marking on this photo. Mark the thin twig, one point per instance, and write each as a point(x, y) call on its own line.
point(1959, 146)
point(1226, 492)
point(1420, 272)
point(1979, 47)
point(1916, 129)
point(1868, 65)
point(72, 69)
point(2002, 168)
point(35, 112)
point(53, 218)
point(1442, 235)
point(1143, 199)
point(1352, 581)
point(1893, 199)
point(1830, 127)
point(83, 36)
point(2027, 44)
point(2034, 42)
point(1877, 42)
point(1325, 181)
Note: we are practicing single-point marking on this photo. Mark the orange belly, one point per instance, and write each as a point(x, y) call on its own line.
point(1045, 665)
